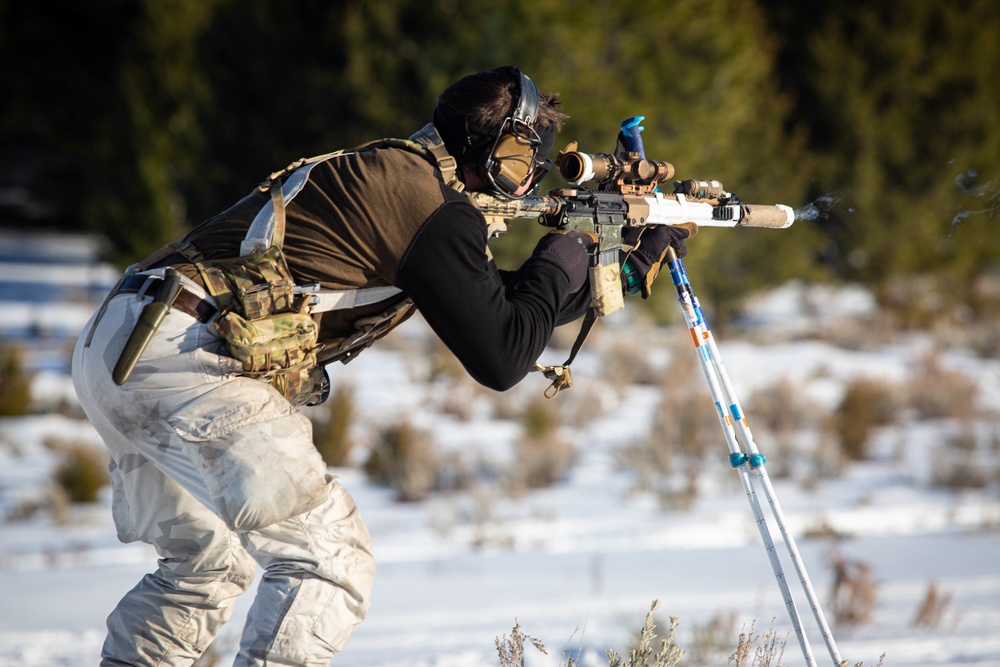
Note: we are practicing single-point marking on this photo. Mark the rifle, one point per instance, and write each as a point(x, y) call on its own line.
point(624, 192)
point(627, 195)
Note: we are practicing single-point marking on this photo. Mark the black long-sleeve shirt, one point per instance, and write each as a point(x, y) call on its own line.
point(384, 217)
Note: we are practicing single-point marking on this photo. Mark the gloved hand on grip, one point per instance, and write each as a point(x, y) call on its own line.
point(568, 251)
point(648, 250)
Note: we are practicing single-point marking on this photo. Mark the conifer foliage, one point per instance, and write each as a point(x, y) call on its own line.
point(879, 123)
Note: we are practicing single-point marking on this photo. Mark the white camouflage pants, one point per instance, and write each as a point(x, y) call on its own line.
point(218, 472)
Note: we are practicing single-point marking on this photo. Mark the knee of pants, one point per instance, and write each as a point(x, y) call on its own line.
point(196, 551)
point(253, 452)
point(235, 572)
point(330, 543)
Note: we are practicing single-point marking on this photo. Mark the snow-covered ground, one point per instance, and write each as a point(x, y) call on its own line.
point(576, 564)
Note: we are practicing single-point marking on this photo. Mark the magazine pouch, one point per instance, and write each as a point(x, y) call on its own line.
point(273, 336)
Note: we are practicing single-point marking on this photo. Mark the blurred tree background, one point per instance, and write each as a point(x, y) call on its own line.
point(879, 123)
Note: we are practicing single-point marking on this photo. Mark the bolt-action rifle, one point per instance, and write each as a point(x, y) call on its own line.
point(614, 191)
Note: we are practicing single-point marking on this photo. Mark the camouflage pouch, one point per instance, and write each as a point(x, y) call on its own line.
point(278, 349)
point(257, 285)
point(274, 340)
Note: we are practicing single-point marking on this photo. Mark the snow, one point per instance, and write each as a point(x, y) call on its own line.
point(576, 564)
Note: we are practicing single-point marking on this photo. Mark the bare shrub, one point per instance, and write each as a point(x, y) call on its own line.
point(511, 651)
point(827, 461)
point(932, 608)
point(982, 336)
point(83, 471)
point(642, 653)
point(443, 365)
point(866, 404)
point(510, 405)
point(916, 301)
point(541, 456)
point(406, 459)
point(15, 382)
point(711, 641)
point(332, 426)
point(759, 650)
point(589, 400)
point(452, 391)
point(631, 362)
point(938, 393)
point(781, 407)
point(669, 461)
point(958, 464)
point(778, 413)
point(59, 504)
point(853, 592)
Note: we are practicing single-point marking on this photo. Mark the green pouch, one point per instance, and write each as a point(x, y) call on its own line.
point(279, 349)
point(263, 329)
point(258, 285)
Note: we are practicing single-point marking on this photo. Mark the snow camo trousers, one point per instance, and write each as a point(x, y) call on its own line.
point(218, 472)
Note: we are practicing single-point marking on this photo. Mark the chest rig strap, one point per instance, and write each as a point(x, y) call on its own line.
point(268, 228)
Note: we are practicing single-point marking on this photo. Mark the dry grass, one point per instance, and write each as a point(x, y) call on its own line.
point(83, 471)
point(938, 393)
point(643, 654)
point(758, 650)
point(406, 459)
point(541, 456)
point(866, 404)
point(753, 649)
point(332, 426)
point(684, 431)
point(15, 382)
point(932, 609)
point(853, 593)
point(511, 651)
point(712, 640)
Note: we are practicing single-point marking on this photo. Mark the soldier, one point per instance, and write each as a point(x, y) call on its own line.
point(193, 368)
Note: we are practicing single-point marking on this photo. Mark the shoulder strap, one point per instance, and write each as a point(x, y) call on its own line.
point(268, 228)
point(269, 225)
point(432, 143)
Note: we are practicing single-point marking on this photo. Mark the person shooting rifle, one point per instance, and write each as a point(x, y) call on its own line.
point(193, 368)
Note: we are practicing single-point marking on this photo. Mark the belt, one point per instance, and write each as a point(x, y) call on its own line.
point(186, 302)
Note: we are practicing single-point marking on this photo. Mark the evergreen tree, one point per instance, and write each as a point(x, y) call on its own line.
point(702, 74)
point(904, 110)
point(152, 135)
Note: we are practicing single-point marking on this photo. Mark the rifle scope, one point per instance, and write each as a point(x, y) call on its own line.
point(579, 168)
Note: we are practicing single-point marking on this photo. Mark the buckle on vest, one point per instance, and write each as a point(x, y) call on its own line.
point(449, 169)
